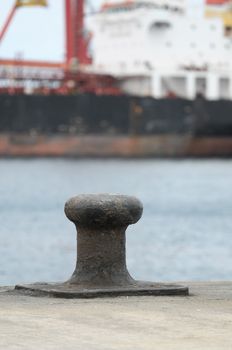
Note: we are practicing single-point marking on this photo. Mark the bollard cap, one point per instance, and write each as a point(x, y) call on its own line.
point(103, 210)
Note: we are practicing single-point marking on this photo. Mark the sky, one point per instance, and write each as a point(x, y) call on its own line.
point(36, 32)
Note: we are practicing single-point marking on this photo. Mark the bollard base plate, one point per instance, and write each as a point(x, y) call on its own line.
point(71, 291)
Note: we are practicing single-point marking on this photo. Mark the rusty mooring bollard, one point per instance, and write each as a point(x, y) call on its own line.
point(101, 221)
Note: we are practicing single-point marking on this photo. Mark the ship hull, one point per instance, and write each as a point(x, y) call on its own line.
point(114, 126)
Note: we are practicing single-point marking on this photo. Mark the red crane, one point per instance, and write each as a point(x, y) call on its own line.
point(73, 78)
point(76, 38)
point(217, 2)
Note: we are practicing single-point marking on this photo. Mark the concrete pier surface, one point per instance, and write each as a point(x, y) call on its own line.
point(201, 321)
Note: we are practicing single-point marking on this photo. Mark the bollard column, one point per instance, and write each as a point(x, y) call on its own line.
point(101, 222)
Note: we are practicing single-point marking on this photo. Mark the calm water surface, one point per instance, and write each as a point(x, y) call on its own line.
point(185, 232)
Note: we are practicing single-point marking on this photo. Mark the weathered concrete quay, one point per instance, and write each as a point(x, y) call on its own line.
point(201, 321)
point(140, 316)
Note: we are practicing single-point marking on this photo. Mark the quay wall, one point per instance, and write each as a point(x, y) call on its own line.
point(201, 321)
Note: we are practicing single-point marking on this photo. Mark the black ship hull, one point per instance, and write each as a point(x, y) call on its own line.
point(29, 120)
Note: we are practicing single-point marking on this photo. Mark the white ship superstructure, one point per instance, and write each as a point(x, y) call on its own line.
point(162, 48)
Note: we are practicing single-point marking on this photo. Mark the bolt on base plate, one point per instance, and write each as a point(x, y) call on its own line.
point(70, 291)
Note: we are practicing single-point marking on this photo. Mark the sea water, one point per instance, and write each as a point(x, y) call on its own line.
point(185, 232)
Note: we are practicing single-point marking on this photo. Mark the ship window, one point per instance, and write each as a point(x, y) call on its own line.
point(159, 25)
point(228, 31)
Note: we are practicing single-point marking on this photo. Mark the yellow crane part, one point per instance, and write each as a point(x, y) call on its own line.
point(225, 15)
point(20, 3)
point(227, 19)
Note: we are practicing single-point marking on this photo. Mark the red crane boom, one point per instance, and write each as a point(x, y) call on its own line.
point(76, 40)
point(68, 76)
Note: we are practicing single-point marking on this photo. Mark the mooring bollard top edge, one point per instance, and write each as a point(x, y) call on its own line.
point(103, 209)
